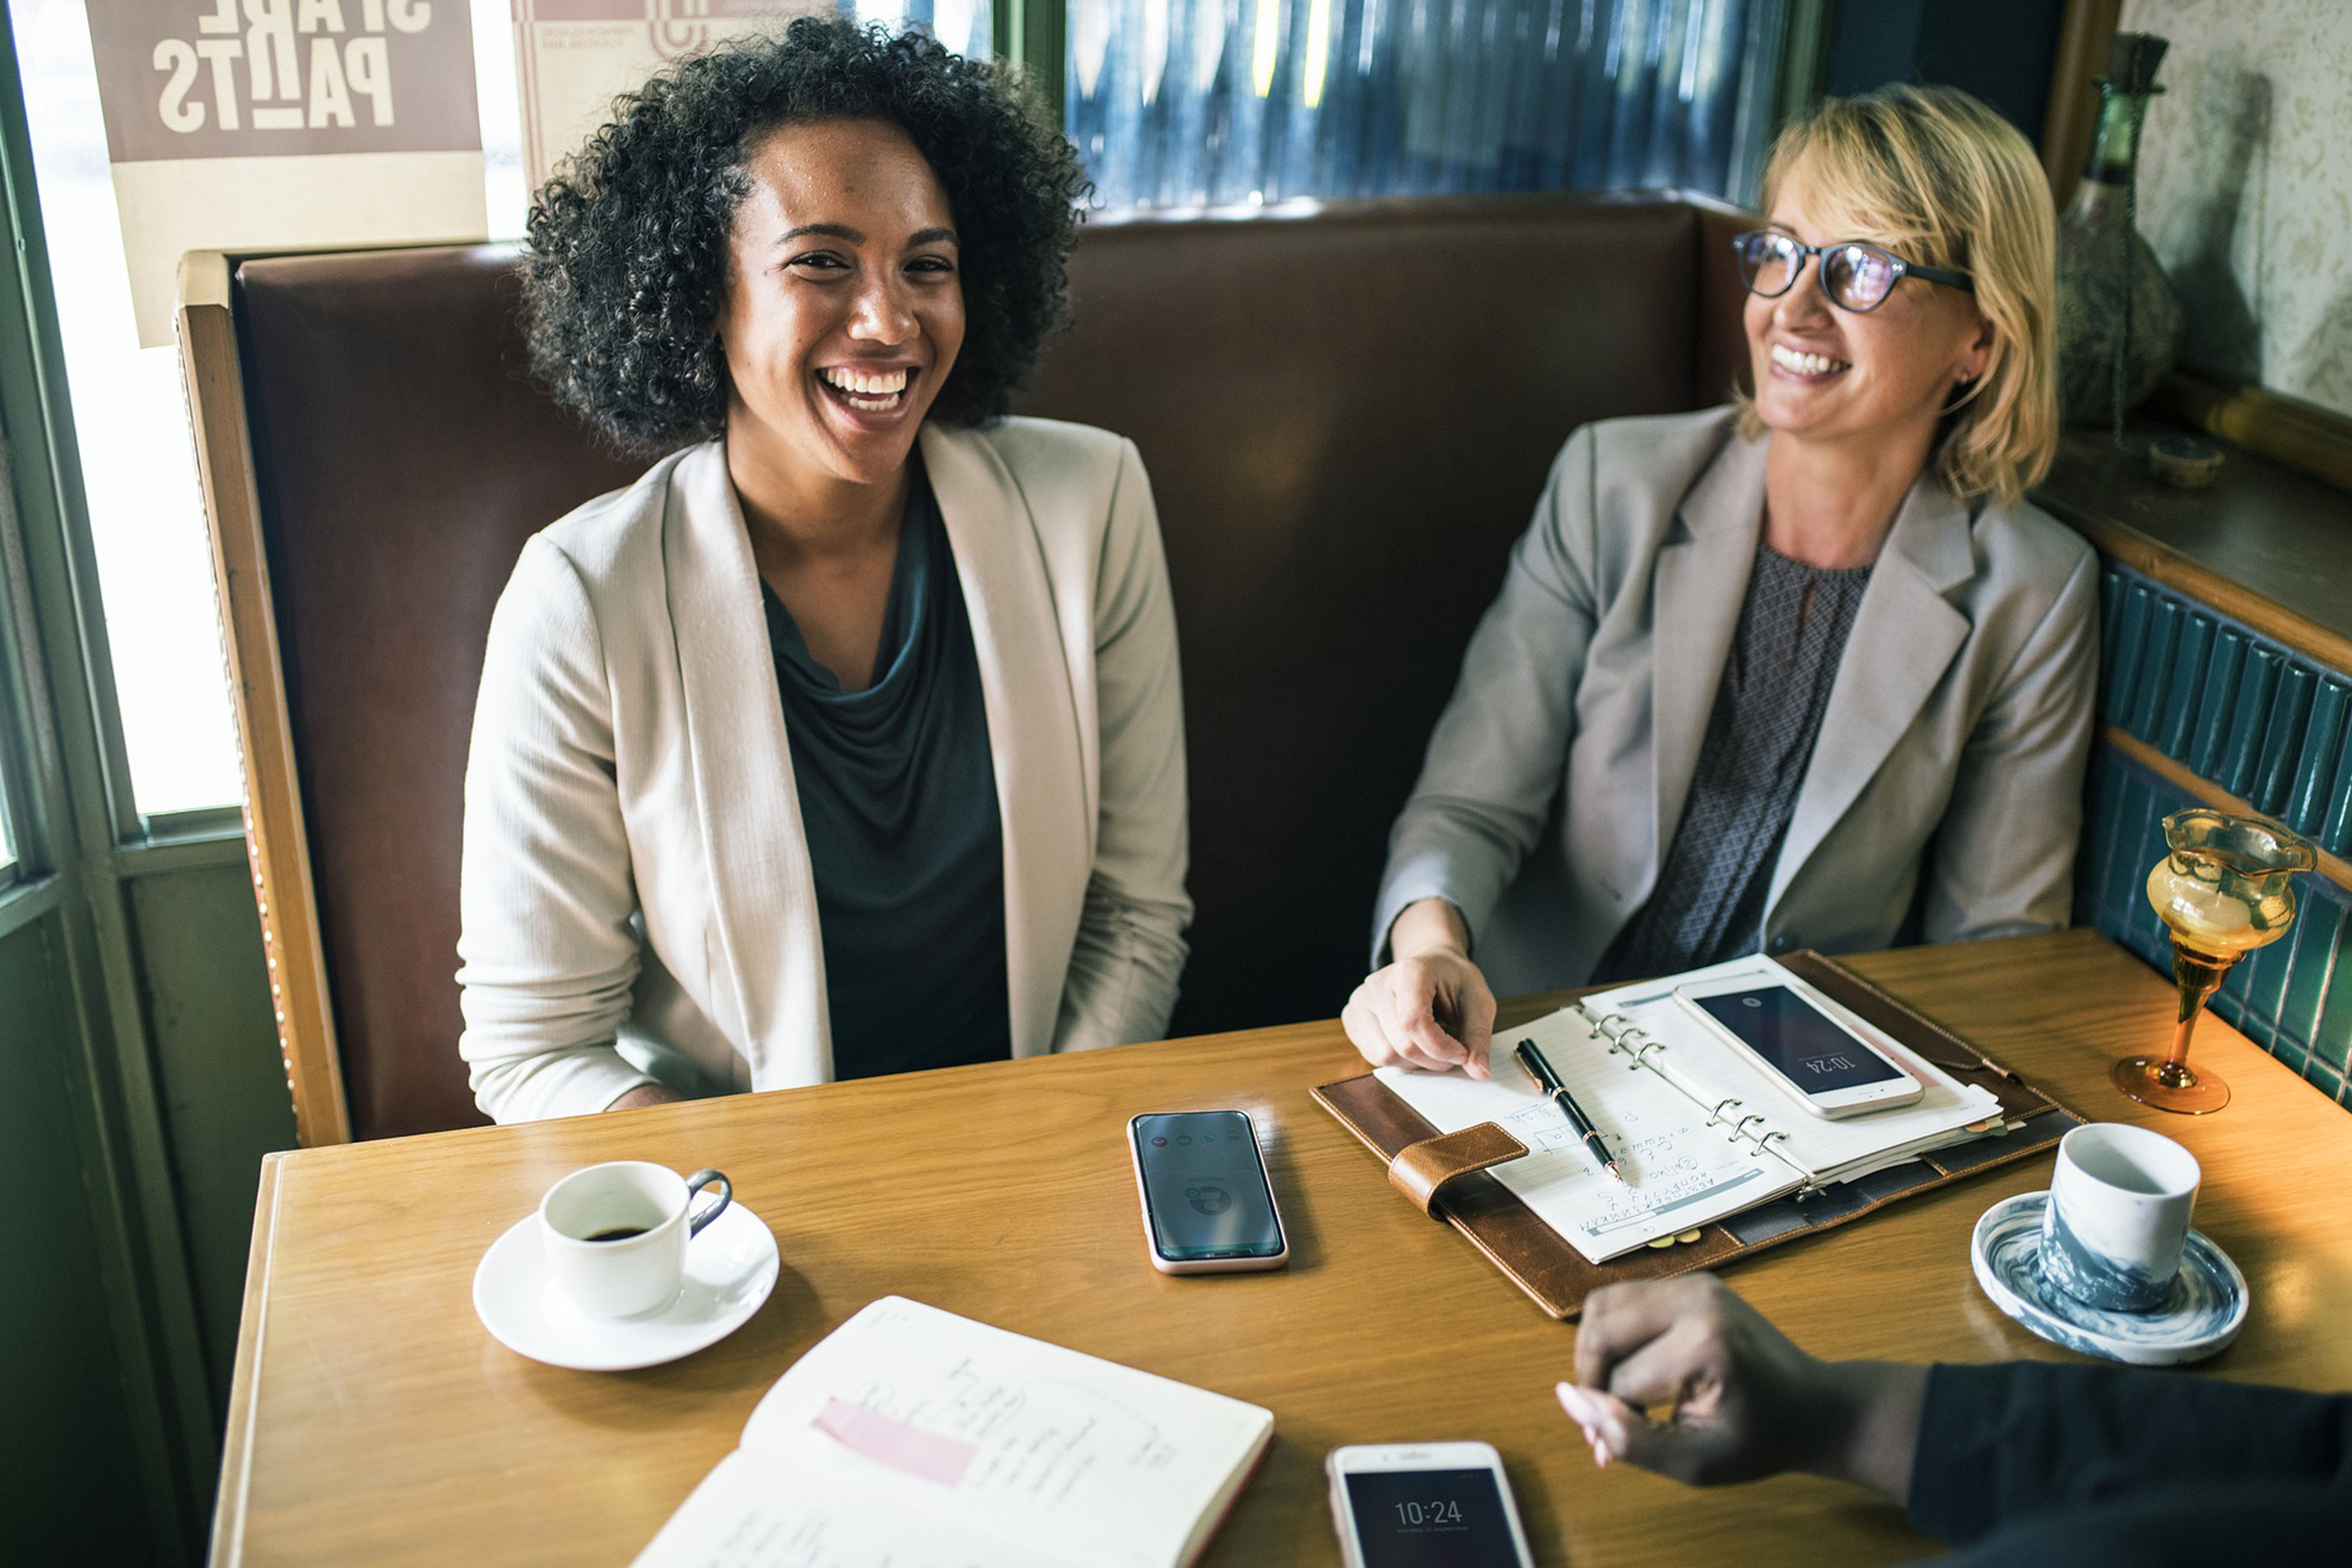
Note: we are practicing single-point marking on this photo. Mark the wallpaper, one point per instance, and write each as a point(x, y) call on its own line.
point(2245, 186)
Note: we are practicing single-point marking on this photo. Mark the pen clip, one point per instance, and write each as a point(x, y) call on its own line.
point(1538, 1068)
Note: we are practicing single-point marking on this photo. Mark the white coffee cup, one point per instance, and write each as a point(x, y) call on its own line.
point(615, 1234)
point(2118, 1216)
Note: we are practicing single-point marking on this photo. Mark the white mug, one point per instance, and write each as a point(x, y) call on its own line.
point(2118, 1216)
point(615, 1234)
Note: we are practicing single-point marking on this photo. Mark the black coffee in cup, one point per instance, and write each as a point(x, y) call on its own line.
point(617, 1232)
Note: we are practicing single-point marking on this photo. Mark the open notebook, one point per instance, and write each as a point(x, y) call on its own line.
point(909, 1437)
point(1699, 1132)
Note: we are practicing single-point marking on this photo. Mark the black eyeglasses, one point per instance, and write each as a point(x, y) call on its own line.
point(1855, 276)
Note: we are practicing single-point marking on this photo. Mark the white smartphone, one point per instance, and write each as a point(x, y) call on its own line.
point(1424, 1505)
point(1804, 1048)
point(1208, 1207)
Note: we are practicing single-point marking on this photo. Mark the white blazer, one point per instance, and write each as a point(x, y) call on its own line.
point(637, 897)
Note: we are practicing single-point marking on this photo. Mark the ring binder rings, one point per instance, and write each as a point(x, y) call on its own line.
point(1557, 1277)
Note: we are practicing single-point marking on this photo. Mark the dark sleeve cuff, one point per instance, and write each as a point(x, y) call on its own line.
point(2000, 1443)
point(1955, 1465)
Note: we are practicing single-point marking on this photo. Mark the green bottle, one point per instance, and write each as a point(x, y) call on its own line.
point(2111, 290)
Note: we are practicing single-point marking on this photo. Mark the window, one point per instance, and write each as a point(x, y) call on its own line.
point(16, 738)
point(129, 415)
point(963, 26)
point(1177, 104)
point(137, 466)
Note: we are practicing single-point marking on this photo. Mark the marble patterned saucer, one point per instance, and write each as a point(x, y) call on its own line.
point(2206, 1308)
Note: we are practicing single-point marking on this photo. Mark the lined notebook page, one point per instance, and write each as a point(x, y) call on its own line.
point(1681, 1169)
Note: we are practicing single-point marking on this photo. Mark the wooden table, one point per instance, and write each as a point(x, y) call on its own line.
point(375, 1421)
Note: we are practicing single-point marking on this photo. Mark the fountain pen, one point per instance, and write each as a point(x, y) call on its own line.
point(1533, 1060)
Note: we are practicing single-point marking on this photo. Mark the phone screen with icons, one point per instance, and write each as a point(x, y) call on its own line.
point(1205, 1187)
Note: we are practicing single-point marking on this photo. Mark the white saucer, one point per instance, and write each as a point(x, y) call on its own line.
point(2202, 1314)
point(729, 1269)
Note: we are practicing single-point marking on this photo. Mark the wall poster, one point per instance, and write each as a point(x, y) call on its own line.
point(247, 124)
point(574, 57)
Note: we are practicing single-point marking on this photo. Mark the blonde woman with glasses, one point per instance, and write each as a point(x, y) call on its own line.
point(1803, 671)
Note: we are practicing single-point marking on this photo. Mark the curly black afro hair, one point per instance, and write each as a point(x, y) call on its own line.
point(629, 256)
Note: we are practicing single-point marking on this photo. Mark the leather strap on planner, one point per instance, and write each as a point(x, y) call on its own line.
point(1422, 1169)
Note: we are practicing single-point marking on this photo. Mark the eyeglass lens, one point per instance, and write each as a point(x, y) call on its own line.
point(1857, 277)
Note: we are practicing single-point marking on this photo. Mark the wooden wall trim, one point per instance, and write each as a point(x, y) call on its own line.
point(2265, 546)
point(2206, 792)
point(2160, 562)
point(2301, 435)
point(277, 844)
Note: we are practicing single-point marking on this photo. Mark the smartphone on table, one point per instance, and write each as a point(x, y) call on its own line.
point(1208, 1207)
point(1801, 1046)
point(1424, 1505)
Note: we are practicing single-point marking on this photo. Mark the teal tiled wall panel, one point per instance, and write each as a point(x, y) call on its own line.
point(2204, 753)
point(2266, 724)
point(2325, 761)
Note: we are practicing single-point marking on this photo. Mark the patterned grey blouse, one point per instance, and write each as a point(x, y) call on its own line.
point(1708, 904)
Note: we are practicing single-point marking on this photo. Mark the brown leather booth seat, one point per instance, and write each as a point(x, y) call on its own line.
point(1346, 417)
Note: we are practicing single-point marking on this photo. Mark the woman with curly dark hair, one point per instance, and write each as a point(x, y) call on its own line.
point(847, 741)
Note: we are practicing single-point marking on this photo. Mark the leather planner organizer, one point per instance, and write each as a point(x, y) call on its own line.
point(1444, 1177)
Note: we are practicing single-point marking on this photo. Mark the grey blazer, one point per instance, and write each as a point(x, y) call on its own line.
point(1943, 796)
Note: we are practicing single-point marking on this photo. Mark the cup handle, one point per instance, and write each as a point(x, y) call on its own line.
point(696, 1183)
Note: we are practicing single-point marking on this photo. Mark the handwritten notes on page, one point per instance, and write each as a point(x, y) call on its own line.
point(909, 1436)
point(745, 1514)
point(1682, 1168)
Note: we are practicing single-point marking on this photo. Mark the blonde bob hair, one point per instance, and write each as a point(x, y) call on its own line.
point(1939, 178)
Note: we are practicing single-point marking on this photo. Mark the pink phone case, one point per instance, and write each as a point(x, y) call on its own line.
point(1205, 1265)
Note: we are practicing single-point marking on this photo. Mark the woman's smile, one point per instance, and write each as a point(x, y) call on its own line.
point(1805, 364)
point(865, 391)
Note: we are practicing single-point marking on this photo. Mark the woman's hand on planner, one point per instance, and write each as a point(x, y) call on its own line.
point(1744, 1402)
point(1431, 1008)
